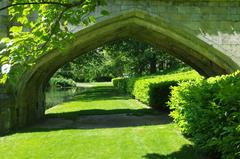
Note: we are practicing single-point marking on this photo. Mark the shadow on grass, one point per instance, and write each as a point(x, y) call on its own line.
point(66, 121)
point(186, 152)
point(74, 115)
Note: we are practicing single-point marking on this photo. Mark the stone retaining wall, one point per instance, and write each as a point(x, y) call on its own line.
point(7, 113)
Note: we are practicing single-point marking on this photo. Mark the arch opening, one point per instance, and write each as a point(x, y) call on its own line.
point(126, 58)
point(201, 56)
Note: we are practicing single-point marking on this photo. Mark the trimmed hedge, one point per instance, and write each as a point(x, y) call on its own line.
point(62, 82)
point(208, 111)
point(120, 83)
point(153, 90)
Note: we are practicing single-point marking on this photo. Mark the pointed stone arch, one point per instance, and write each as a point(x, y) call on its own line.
point(171, 37)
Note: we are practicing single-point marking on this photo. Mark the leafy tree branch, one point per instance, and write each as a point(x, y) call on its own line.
point(40, 26)
point(52, 30)
point(66, 5)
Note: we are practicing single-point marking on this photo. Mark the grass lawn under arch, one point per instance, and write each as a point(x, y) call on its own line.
point(100, 123)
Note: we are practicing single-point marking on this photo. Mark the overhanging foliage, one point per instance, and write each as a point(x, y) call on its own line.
point(37, 27)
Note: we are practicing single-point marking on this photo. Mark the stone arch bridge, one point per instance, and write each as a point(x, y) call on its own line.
point(204, 34)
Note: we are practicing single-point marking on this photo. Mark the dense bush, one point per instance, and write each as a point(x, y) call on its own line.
point(153, 90)
point(62, 82)
point(120, 83)
point(208, 111)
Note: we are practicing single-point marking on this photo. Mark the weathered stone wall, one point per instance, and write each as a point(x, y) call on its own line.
point(7, 110)
point(215, 21)
point(3, 19)
point(7, 101)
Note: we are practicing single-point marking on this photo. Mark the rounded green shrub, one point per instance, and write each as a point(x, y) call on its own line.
point(62, 82)
point(208, 111)
point(155, 90)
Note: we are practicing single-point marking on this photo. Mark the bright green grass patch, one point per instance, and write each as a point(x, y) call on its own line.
point(115, 143)
point(99, 100)
point(159, 141)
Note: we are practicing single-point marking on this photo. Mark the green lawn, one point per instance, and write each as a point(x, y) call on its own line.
point(100, 124)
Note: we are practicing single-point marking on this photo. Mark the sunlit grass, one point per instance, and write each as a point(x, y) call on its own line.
point(162, 141)
point(124, 143)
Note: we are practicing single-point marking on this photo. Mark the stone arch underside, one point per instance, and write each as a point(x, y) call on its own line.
point(177, 41)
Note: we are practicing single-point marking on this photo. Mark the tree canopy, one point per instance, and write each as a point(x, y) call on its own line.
point(127, 57)
point(37, 27)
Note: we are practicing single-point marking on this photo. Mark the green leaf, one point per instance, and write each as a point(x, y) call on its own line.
point(15, 29)
point(5, 40)
point(85, 22)
point(22, 19)
point(92, 19)
point(105, 12)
